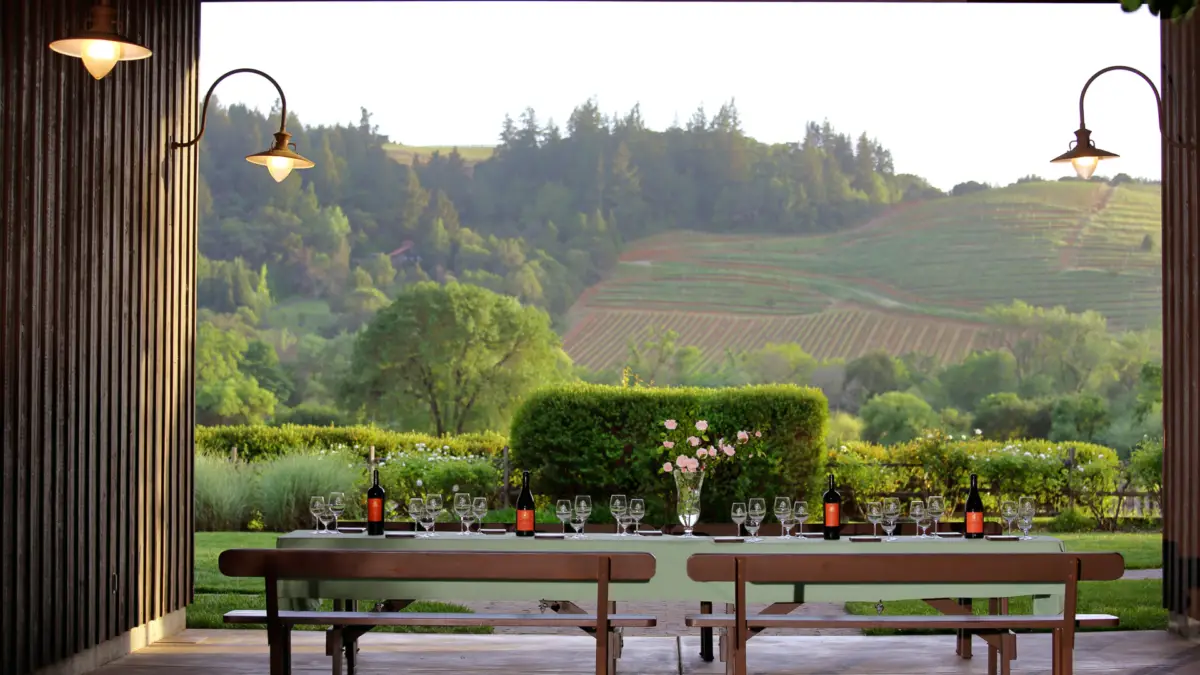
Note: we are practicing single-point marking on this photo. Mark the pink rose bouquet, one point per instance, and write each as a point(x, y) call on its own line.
point(691, 447)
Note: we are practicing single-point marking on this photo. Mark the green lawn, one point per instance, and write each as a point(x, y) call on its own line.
point(1142, 550)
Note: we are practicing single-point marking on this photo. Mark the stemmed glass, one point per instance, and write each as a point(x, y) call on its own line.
point(923, 522)
point(1025, 511)
point(315, 506)
point(416, 509)
point(479, 509)
point(874, 515)
point(577, 523)
point(1008, 513)
point(891, 513)
point(563, 510)
point(799, 515)
point(336, 504)
point(583, 509)
point(637, 511)
point(755, 514)
point(325, 516)
point(936, 509)
point(916, 510)
point(738, 514)
point(433, 509)
point(462, 509)
point(617, 504)
point(783, 511)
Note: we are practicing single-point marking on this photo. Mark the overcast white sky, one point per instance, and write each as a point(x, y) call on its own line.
point(957, 92)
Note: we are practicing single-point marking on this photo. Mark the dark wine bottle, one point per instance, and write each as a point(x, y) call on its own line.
point(525, 518)
point(974, 511)
point(833, 512)
point(375, 495)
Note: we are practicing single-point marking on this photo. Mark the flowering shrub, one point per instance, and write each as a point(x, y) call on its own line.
point(697, 452)
point(423, 470)
point(256, 442)
point(1053, 474)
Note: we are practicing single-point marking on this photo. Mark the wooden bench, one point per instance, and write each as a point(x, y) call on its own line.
point(920, 568)
point(274, 565)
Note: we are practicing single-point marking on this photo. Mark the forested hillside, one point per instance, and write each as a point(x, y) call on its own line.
point(290, 272)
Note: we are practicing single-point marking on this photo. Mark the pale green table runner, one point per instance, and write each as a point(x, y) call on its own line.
point(670, 582)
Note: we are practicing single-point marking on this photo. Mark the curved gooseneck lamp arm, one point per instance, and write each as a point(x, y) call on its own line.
point(1158, 103)
point(282, 100)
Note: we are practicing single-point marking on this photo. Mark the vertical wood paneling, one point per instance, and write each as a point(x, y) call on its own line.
point(1181, 320)
point(97, 265)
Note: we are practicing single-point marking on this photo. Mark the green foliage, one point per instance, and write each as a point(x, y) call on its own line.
point(457, 356)
point(1072, 520)
point(843, 428)
point(287, 483)
point(225, 494)
point(1175, 10)
point(311, 414)
point(1006, 416)
point(896, 417)
point(424, 471)
point(599, 440)
point(1079, 417)
point(1146, 466)
point(224, 394)
point(262, 442)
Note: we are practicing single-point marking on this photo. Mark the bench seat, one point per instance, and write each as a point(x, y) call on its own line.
point(439, 619)
point(938, 621)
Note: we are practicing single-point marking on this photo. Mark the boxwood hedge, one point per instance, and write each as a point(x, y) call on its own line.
point(604, 440)
point(262, 442)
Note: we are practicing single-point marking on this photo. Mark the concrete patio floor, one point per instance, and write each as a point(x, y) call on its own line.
point(237, 652)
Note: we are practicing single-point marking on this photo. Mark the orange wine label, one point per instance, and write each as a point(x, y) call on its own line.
point(974, 522)
point(831, 515)
point(375, 510)
point(525, 521)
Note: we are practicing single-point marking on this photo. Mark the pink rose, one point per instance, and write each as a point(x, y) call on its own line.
point(671, 424)
point(743, 436)
point(681, 461)
point(729, 450)
point(695, 442)
point(701, 452)
point(667, 468)
point(668, 444)
point(701, 426)
point(758, 434)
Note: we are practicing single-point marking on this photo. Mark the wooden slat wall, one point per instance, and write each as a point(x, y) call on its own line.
point(97, 268)
point(1181, 320)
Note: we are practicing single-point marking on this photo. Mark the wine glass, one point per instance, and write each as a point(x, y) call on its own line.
point(462, 508)
point(738, 513)
point(479, 509)
point(874, 515)
point(326, 517)
point(617, 505)
point(433, 509)
point(916, 510)
point(563, 510)
point(578, 520)
point(783, 511)
point(936, 508)
point(1025, 512)
point(756, 511)
point(336, 505)
point(583, 507)
point(637, 511)
point(1008, 513)
point(923, 522)
point(416, 507)
point(891, 514)
point(315, 506)
point(799, 515)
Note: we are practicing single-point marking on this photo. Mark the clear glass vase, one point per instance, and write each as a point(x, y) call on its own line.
point(687, 498)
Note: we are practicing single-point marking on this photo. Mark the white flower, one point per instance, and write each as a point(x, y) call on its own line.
point(445, 447)
point(979, 432)
point(928, 435)
point(420, 482)
point(964, 437)
point(454, 488)
point(1028, 454)
point(845, 449)
point(1080, 468)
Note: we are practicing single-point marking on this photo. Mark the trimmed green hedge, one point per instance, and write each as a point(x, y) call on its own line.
point(262, 442)
point(604, 440)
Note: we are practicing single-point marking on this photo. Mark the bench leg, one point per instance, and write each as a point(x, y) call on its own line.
point(1056, 644)
point(335, 646)
point(281, 650)
point(706, 636)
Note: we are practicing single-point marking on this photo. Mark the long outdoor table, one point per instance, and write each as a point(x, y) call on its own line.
point(671, 582)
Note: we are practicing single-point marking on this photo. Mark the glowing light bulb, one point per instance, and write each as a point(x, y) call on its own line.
point(1085, 166)
point(99, 56)
point(279, 167)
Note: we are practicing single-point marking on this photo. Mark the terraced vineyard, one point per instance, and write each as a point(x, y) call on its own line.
point(917, 279)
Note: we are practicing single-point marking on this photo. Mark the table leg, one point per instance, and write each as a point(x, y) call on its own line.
point(993, 651)
point(963, 648)
point(614, 642)
point(706, 636)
